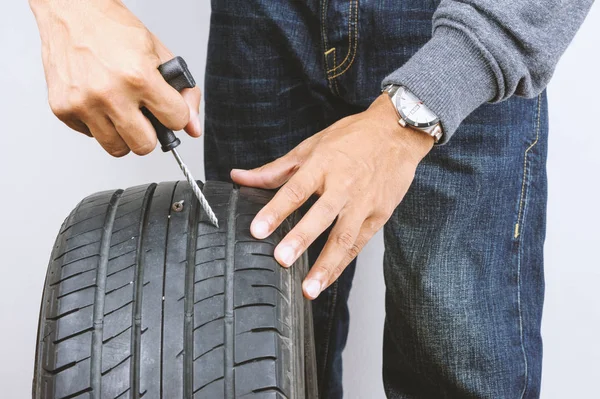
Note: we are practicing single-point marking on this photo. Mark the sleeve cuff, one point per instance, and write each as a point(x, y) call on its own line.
point(451, 74)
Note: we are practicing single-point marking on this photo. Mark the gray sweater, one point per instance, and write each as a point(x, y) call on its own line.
point(488, 50)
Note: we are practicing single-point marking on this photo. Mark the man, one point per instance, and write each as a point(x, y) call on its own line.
point(293, 101)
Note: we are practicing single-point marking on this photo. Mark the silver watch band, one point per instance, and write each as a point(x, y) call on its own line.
point(434, 131)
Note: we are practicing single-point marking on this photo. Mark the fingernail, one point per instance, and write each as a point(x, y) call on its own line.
point(260, 229)
point(237, 171)
point(312, 288)
point(287, 255)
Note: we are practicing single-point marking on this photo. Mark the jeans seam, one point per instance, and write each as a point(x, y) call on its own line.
point(517, 231)
point(523, 202)
point(352, 42)
point(350, 37)
point(324, 4)
point(334, 59)
point(330, 317)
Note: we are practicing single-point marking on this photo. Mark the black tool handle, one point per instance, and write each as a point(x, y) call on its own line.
point(177, 74)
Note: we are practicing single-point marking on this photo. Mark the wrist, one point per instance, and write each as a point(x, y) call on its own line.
point(417, 143)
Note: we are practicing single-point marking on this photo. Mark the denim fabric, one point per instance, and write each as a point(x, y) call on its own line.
point(463, 257)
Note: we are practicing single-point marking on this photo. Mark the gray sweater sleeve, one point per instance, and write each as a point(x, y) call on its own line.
point(486, 51)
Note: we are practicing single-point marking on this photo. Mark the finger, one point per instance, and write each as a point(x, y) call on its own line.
point(289, 198)
point(192, 98)
point(318, 218)
point(367, 231)
point(164, 54)
point(105, 133)
point(271, 175)
point(165, 103)
point(340, 244)
point(136, 130)
point(78, 126)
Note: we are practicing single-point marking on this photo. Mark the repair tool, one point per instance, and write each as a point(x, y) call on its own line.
point(177, 74)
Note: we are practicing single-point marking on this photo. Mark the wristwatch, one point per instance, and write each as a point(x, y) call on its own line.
point(413, 113)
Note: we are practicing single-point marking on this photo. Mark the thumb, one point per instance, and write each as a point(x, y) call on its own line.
point(192, 98)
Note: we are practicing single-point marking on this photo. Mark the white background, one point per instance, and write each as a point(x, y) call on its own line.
point(45, 169)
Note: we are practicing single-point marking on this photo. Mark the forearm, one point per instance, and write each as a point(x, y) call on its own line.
point(488, 50)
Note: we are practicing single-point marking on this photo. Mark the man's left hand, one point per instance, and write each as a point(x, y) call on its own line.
point(360, 167)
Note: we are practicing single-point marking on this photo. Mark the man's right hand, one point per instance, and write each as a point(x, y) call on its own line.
point(101, 68)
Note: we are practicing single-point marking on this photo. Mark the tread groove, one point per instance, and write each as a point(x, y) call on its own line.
point(208, 351)
point(97, 329)
point(257, 268)
point(138, 278)
point(209, 278)
point(77, 290)
point(256, 359)
point(207, 384)
point(74, 249)
point(122, 393)
point(271, 286)
point(78, 393)
point(164, 282)
point(229, 294)
point(78, 259)
point(249, 305)
point(208, 261)
point(208, 322)
point(123, 254)
point(116, 335)
point(70, 277)
point(58, 341)
point(84, 232)
point(116, 365)
point(209, 297)
point(118, 288)
point(271, 389)
point(66, 366)
point(119, 308)
point(68, 312)
point(80, 221)
point(188, 304)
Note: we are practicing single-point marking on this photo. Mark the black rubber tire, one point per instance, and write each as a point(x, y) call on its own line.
point(143, 300)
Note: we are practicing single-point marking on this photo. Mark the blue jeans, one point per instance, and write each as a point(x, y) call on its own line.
point(463, 257)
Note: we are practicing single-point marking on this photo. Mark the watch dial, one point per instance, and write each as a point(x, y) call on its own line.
point(413, 111)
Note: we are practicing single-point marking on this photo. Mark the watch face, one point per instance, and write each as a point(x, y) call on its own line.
point(413, 111)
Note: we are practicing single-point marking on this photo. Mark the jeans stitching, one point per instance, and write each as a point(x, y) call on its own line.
point(350, 18)
point(352, 44)
point(324, 4)
point(331, 312)
point(525, 164)
point(522, 210)
point(333, 53)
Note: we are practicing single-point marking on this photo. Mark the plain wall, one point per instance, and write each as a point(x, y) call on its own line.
point(46, 169)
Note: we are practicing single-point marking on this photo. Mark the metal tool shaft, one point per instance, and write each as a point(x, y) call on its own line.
point(190, 179)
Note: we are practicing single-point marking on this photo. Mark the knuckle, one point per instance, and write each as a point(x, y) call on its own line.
point(345, 240)
point(302, 239)
point(143, 148)
point(135, 77)
point(323, 271)
point(67, 107)
point(353, 251)
point(294, 193)
point(60, 109)
point(338, 270)
point(182, 118)
point(100, 92)
point(327, 208)
point(118, 152)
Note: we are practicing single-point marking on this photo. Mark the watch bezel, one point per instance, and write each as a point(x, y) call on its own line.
point(406, 118)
